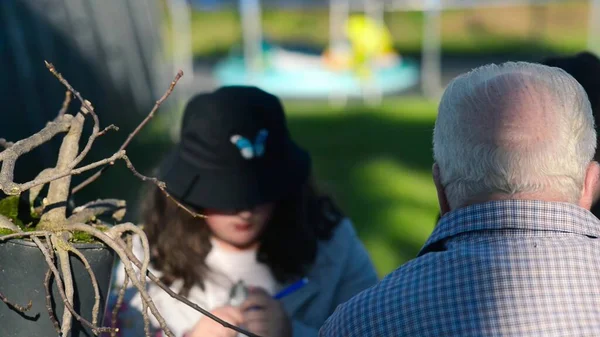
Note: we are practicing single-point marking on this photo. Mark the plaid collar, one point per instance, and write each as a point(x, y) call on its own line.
point(515, 214)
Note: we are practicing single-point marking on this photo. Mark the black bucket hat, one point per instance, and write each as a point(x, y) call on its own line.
point(235, 152)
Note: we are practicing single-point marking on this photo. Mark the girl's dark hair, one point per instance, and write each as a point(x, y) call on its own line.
point(180, 243)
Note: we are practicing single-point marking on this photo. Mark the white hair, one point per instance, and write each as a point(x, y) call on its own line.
point(513, 128)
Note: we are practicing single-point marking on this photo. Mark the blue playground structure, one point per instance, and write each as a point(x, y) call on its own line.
point(360, 61)
point(298, 74)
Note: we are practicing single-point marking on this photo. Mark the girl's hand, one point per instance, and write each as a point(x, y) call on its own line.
point(265, 316)
point(208, 327)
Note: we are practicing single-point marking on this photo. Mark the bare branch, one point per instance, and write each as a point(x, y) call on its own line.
point(121, 294)
point(142, 177)
point(91, 210)
point(5, 143)
point(55, 323)
point(20, 188)
point(135, 132)
point(119, 248)
point(108, 128)
point(116, 232)
point(69, 289)
point(47, 287)
point(182, 206)
point(59, 229)
point(24, 235)
point(34, 192)
point(59, 285)
point(66, 103)
point(153, 111)
point(58, 192)
point(86, 108)
point(51, 129)
point(88, 268)
point(163, 187)
point(10, 155)
point(14, 305)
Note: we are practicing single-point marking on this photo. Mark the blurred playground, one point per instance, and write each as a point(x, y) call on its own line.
point(555, 27)
point(375, 159)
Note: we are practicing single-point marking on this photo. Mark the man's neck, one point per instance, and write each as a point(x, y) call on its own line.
point(541, 196)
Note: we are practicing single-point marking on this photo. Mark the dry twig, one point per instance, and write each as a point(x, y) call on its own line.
point(118, 247)
point(66, 103)
point(91, 210)
point(10, 155)
point(24, 235)
point(162, 186)
point(20, 308)
point(88, 268)
point(86, 108)
point(48, 289)
point(134, 133)
point(51, 314)
point(60, 287)
point(20, 188)
point(117, 232)
point(5, 143)
point(108, 128)
point(121, 295)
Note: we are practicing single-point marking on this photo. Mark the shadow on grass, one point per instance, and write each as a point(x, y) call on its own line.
point(378, 168)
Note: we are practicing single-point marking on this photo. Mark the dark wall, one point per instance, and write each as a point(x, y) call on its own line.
point(109, 50)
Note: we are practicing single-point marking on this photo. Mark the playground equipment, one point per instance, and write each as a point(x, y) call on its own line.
point(429, 66)
point(364, 65)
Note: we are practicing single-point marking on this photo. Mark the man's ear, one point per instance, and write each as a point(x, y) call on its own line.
point(590, 191)
point(437, 180)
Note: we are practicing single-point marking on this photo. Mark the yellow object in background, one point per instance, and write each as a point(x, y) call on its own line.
point(367, 37)
point(368, 41)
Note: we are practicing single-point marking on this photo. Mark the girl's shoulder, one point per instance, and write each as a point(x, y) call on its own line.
point(343, 238)
point(345, 228)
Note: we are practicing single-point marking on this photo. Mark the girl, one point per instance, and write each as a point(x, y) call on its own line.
point(266, 227)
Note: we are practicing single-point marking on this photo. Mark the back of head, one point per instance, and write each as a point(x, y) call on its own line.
point(514, 129)
point(585, 68)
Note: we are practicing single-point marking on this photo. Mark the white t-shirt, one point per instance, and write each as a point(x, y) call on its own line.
point(226, 268)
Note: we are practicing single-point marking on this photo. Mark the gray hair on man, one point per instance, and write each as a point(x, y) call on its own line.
point(513, 129)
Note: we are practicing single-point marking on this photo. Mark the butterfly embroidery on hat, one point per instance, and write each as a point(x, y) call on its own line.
point(249, 150)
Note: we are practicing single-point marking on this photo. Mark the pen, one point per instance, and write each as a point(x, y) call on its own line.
point(287, 290)
point(291, 288)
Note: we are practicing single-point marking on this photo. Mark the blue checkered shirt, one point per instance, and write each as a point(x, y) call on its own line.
point(501, 268)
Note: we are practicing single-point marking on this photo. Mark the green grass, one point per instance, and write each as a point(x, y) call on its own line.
point(562, 28)
point(377, 164)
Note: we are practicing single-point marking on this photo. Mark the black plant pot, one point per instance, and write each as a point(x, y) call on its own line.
point(22, 272)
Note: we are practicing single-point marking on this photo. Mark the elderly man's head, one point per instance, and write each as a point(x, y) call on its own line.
point(514, 131)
